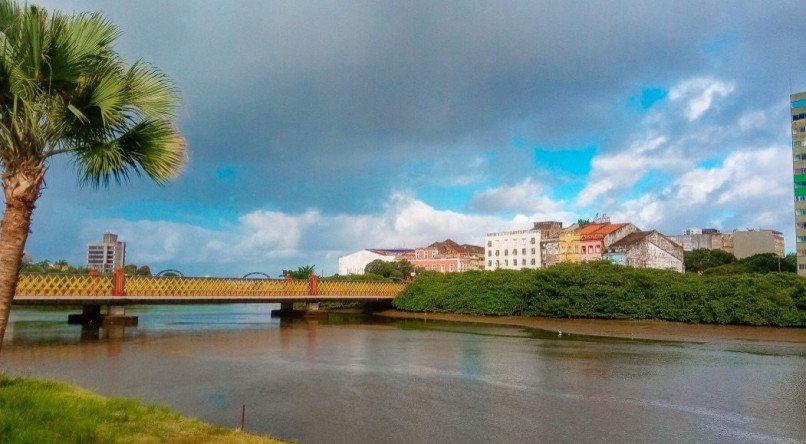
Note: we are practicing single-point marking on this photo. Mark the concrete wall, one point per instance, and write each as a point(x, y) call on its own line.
point(655, 251)
point(748, 243)
point(355, 263)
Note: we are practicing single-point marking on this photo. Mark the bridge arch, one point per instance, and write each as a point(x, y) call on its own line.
point(170, 270)
point(256, 273)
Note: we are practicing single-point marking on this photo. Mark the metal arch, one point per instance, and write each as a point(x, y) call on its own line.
point(256, 273)
point(170, 270)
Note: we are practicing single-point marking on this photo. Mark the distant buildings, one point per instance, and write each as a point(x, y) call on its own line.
point(798, 112)
point(107, 255)
point(646, 249)
point(741, 244)
point(448, 257)
point(355, 263)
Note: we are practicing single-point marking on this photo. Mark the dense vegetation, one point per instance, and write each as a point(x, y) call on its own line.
point(62, 267)
point(721, 262)
point(43, 411)
point(604, 290)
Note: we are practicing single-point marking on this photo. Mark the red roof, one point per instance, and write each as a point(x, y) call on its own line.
point(599, 231)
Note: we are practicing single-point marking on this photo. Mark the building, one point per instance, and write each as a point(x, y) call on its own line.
point(448, 257)
point(647, 249)
point(568, 247)
point(107, 255)
point(355, 263)
point(549, 241)
point(596, 237)
point(513, 250)
point(740, 243)
point(798, 112)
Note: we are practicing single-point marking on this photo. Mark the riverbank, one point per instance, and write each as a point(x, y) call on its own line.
point(34, 410)
point(633, 329)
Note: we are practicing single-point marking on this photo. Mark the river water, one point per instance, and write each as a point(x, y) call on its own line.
point(354, 378)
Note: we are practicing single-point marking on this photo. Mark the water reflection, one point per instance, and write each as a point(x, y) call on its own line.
point(349, 378)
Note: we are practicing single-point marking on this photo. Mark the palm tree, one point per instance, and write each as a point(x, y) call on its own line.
point(65, 91)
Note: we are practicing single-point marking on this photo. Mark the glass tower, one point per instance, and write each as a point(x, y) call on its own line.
point(798, 111)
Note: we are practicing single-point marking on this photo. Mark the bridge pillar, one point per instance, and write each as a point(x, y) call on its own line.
point(90, 315)
point(116, 315)
point(286, 309)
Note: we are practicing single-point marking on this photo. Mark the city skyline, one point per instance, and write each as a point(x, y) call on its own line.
point(319, 129)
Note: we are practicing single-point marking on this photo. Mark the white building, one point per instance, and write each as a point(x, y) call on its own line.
point(512, 250)
point(107, 255)
point(355, 263)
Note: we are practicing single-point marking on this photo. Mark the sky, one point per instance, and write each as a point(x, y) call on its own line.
point(319, 128)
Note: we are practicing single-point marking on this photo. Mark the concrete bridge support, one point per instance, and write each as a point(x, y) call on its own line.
point(91, 316)
point(286, 310)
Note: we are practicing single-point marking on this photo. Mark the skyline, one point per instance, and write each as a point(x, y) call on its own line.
point(318, 129)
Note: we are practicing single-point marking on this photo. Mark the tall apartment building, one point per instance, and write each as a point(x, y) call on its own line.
point(512, 249)
point(107, 255)
point(798, 112)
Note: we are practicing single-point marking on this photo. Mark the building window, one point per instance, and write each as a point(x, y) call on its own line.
point(598, 250)
point(801, 266)
point(523, 251)
point(496, 252)
point(497, 263)
point(450, 267)
point(489, 253)
point(800, 198)
point(506, 252)
point(533, 241)
point(489, 243)
point(433, 267)
point(533, 261)
point(514, 251)
point(442, 267)
point(800, 116)
point(523, 261)
point(489, 263)
point(533, 251)
point(506, 262)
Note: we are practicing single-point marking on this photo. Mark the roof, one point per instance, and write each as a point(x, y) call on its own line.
point(599, 231)
point(449, 247)
point(390, 251)
point(632, 238)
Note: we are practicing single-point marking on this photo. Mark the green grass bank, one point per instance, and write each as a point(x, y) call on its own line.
point(35, 411)
point(607, 291)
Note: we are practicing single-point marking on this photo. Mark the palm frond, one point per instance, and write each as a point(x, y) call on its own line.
point(150, 91)
point(153, 147)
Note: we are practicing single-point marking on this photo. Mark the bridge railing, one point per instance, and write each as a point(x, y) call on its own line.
point(190, 286)
point(173, 286)
point(63, 285)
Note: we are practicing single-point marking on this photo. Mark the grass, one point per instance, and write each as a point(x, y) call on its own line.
point(36, 411)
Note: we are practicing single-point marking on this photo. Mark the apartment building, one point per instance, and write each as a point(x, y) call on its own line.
point(107, 255)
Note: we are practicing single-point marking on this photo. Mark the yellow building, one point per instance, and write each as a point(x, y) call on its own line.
point(568, 244)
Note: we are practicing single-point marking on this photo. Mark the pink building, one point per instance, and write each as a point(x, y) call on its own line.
point(448, 257)
point(596, 237)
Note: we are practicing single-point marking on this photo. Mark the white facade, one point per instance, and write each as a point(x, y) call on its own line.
point(355, 263)
point(108, 255)
point(512, 250)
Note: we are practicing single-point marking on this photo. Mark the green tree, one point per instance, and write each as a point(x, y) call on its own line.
point(395, 270)
point(144, 270)
point(702, 259)
point(300, 273)
point(64, 90)
point(130, 269)
point(583, 222)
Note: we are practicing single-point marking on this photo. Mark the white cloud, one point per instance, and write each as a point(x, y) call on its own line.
point(699, 94)
point(270, 241)
point(525, 197)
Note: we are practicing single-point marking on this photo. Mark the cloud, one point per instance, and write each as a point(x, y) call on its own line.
point(699, 95)
point(527, 197)
point(270, 241)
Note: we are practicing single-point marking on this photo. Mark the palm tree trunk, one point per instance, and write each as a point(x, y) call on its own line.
point(21, 186)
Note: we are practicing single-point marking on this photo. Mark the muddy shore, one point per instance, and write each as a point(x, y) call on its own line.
point(653, 330)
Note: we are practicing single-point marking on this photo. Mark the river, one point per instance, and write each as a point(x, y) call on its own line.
point(358, 378)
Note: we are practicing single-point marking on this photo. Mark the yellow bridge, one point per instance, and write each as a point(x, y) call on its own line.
point(93, 291)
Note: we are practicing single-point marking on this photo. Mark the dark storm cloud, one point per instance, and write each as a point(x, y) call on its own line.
point(333, 104)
